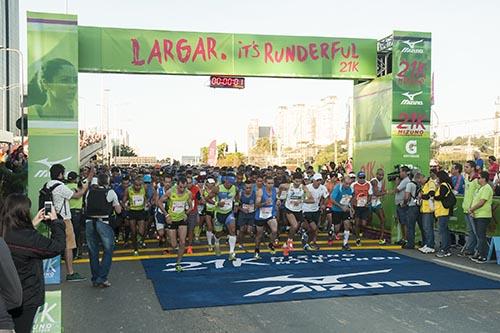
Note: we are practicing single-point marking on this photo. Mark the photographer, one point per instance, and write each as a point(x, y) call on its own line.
point(401, 207)
point(29, 248)
point(100, 202)
point(410, 200)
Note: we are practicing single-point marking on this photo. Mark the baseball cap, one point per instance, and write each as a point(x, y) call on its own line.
point(352, 175)
point(72, 175)
point(317, 176)
point(147, 178)
point(361, 174)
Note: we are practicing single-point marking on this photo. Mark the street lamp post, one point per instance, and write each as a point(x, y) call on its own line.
point(20, 55)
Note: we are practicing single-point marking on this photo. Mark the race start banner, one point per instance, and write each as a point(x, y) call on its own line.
point(52, 97)
point(48, 316)
point(114, 50)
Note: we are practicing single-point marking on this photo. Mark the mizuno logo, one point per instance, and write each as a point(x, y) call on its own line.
point(411, 46)
point(314, 280)
point(411, 98)
point(325, 283)
point(49, 164)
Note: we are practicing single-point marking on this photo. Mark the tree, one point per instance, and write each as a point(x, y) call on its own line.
point(222, 149)
point(124, 151)
point(232, 159)
point(263, 147)
point(327, 154)
point(204, 155)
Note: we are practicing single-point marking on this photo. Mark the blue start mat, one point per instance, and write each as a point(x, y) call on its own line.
point(215, 281)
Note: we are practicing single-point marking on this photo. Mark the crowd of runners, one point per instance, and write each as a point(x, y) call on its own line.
point(177, 204)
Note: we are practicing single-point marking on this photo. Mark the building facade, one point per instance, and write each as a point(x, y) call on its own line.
point(318, 124)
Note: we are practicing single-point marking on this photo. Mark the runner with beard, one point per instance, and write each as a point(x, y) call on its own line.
point(296, 195)
point(135, 199)
point(266, 203)
point(227, 198)
point(179, 204)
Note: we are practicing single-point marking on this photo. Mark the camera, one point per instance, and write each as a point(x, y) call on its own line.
point(397, 169)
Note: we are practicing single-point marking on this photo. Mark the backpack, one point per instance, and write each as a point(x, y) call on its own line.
point(45, 194)
point(449, 201)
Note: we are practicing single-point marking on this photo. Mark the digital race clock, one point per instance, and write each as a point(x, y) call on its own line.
point(227, 82)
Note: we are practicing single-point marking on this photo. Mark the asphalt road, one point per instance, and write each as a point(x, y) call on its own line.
point(130, 305)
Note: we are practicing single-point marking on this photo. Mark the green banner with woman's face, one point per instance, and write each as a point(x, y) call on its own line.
point(52, 96)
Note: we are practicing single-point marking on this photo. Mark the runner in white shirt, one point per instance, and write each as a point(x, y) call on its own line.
point(312, 211)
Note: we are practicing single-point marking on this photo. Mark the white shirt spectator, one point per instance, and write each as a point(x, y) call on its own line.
point(61, 195)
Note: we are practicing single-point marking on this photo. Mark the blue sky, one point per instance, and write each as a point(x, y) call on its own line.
point(161, 111)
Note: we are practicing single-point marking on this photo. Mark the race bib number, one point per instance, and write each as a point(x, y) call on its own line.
point(249, 207)
point(138, 200)
point(375, 202)
point(283, 195)
point(200, 208)
point(265, 213)
point(228, 204)
point(362, 201)
point(296, 203)
point(346, 199)
point(178, 206)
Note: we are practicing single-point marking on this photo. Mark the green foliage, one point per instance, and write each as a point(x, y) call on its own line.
point(124, 151)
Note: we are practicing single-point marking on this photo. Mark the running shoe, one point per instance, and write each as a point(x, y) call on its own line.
point(346, 247)
point(257, 256)
point(105, 284)
point(337, 236)
point(358, 242)
point(423, 249)
point(165, 252)
point(290, 245)
point(178, 268)
point(429, 250)
point(330, 242)
point(271, 248)
point(189, 250)
point(217, 249)
point(442, 254)
point(210, 248)
point(315, 247)
point(135, 253)
point(382, 242)
point(286, 250)
point(75, 277)
point(307, 247)
point(232, 257)
point(480, 260)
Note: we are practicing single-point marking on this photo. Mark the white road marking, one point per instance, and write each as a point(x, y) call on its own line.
point(467, 268)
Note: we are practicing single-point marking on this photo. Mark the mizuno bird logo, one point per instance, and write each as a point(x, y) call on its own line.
point(49, 164)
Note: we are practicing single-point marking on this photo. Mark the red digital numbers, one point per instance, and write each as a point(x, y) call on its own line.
point(227, 82)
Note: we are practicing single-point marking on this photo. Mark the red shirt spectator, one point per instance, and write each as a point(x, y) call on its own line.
point(493, 168)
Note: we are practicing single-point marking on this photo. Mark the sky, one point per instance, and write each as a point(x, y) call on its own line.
point(171, 116)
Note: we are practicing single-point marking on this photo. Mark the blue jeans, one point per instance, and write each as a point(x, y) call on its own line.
point(481, 226)
point(471, 241)
point(97, 230)
point(444, 233)
point(411, 218)
point(428, 226)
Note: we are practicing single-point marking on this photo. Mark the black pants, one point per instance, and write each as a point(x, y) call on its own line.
point(481, 225)
point(23, 319)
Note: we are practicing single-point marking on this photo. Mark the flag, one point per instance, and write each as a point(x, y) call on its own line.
point(212, 153)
